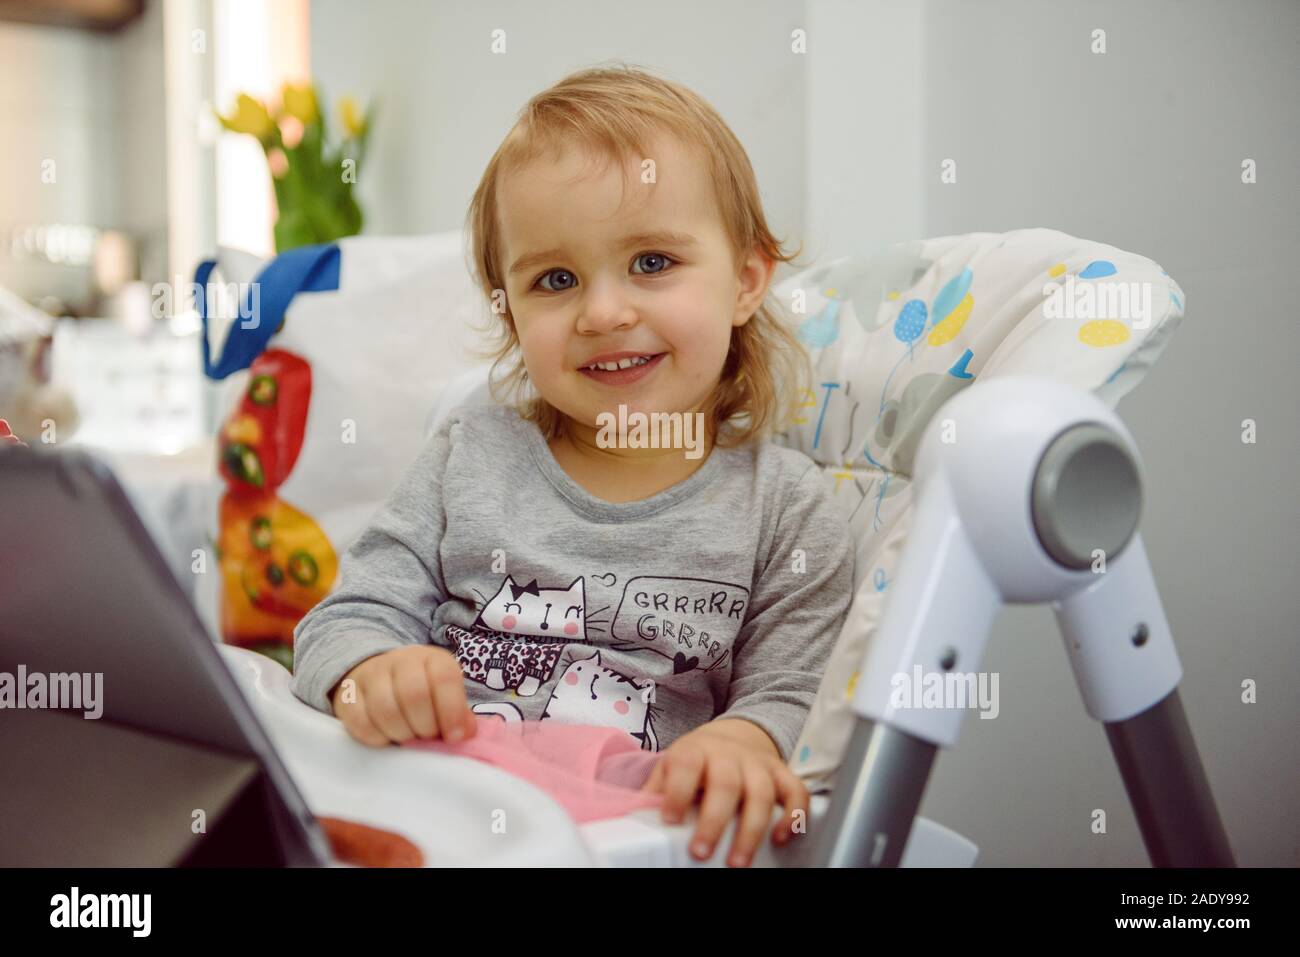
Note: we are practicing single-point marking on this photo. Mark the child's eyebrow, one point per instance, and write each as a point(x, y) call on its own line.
point(659, 237)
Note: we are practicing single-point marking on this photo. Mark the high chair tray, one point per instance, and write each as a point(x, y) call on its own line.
point(462, 812)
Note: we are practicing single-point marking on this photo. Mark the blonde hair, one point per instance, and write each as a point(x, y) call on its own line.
point(614, 112)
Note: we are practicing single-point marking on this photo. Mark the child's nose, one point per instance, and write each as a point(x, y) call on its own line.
point(605, 308)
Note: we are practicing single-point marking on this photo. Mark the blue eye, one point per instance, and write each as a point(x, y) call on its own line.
point(660, 258)
point(655, 264)
point(563, 272)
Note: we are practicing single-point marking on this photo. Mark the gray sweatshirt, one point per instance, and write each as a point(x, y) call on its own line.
point(721, 596)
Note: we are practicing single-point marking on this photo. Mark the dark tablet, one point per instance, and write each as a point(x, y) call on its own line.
point(85, 592)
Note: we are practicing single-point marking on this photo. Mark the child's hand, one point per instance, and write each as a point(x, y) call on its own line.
point(416, 692)
point(732, 772)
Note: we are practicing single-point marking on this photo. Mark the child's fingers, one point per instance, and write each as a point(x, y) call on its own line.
point(414, 698)
point(358, 724)
point(381, 706)
point(446, 683)
point(756, 811)
point(793, 795)
point(723, 784)
point(682, 770)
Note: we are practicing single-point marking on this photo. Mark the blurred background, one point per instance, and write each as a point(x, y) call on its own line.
point(117, 177)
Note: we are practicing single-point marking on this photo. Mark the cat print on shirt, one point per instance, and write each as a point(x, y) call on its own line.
point(592, 694)
point(519, 635)
point(542, 612)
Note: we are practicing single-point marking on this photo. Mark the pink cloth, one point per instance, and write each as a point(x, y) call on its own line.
point(593, 772)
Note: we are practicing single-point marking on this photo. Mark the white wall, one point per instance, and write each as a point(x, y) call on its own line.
point(447, 101)
point(866, 80)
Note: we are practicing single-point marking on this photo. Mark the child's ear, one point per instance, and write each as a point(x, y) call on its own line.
point(755, 278)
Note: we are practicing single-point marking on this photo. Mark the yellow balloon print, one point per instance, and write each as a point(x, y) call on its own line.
point(1056, 270)
point(947, 330)
point(853, 683)
point(1103, 332)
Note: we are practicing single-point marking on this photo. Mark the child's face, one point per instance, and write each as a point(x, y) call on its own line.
point(608, 280)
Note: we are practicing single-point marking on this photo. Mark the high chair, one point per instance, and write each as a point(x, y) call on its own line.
point(893, 336)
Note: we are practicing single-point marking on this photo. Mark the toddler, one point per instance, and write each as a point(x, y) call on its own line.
point(550, 559)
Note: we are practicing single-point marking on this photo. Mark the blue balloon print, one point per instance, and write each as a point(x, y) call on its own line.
point(910, 323)
point(879, 580)
point(1176, 301)
point(804, 752)
point(1098, 269)
point(958, 370)
point(951, 295)
point(822, 329)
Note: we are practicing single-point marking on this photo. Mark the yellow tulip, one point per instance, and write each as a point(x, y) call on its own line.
point(300, 103)
point(250, 116)
point(353, 121)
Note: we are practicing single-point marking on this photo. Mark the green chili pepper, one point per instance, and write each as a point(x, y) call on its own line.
point(260, 533)
point(243, 463)
point(302, 568)
point(263, 389)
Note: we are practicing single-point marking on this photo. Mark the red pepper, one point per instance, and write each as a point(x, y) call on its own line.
point(262, 438)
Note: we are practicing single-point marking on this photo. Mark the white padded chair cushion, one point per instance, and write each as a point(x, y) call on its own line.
point(896, 333)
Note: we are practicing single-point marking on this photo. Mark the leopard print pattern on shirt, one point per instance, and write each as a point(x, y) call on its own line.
point(502, 661)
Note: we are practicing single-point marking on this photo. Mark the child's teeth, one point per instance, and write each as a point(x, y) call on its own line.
point(622, 364)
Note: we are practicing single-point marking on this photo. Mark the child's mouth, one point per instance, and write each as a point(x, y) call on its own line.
point(633, 373)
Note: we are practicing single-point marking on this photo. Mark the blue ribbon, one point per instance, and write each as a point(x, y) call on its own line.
point(305, 269)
